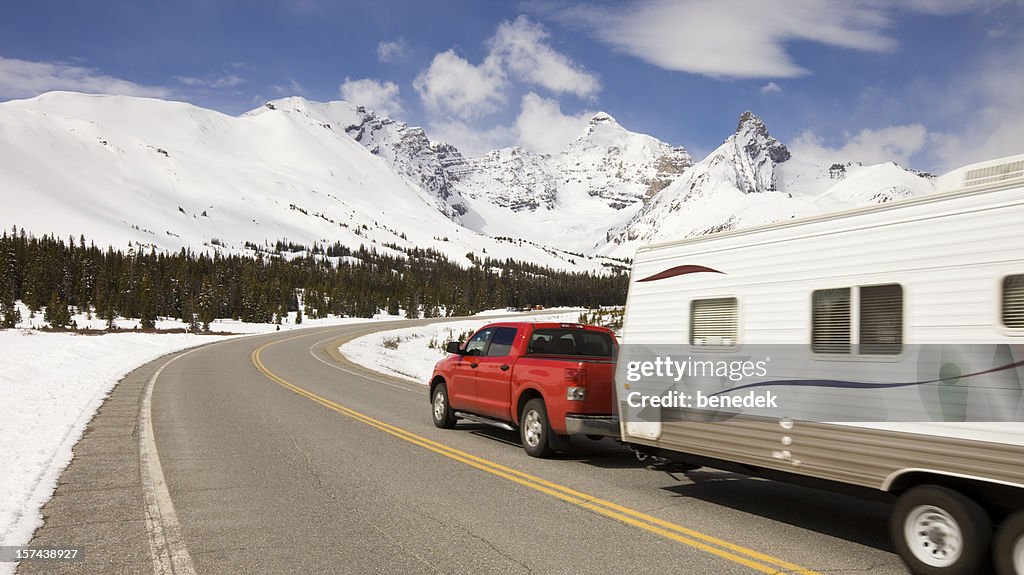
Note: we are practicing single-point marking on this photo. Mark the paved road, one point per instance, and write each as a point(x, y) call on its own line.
point(281, 457)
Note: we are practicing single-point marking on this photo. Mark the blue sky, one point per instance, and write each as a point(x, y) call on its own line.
point(932, 84)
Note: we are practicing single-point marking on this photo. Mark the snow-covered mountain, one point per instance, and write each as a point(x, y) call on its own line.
point(424, 164)
point(122, 170)
point(752, 179)
point(570, 199)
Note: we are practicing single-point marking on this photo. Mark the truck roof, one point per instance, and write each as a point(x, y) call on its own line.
point(548, 325)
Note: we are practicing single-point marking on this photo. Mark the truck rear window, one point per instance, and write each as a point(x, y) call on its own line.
point(571, 342)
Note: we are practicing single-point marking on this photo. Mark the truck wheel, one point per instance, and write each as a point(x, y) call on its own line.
point(441, 410)
point(1008, 546)
point(534, 430)
point(938, 531)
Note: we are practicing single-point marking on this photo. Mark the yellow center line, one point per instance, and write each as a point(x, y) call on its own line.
point(710, 544)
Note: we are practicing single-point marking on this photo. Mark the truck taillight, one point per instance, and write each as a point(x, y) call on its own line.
point(576, 377)
point(576, 374)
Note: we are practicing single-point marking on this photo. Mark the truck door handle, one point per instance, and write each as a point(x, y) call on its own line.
point(504, 367)
point(473, 365)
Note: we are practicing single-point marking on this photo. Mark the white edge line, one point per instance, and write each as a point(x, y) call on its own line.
point(166, 545)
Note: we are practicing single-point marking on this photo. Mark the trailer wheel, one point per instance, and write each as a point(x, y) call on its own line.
point(938, 531)
point(441, 411)
point(1008, 546)
point(534, 429)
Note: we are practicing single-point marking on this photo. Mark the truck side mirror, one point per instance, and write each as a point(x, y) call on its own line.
point(453, 347)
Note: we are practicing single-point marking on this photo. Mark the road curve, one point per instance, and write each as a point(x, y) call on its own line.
point(281, 457)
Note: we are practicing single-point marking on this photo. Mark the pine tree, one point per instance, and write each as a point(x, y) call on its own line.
point(147, 306)
point(10, 316)
point(57, 314)
point(109, 316)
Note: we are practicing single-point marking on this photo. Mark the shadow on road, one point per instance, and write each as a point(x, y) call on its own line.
point(603, 453)
point(843, 516)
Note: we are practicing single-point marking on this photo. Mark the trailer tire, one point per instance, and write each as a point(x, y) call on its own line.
point(1008, 546)
point(534, 429)
point(938, 531)
point(441, 409)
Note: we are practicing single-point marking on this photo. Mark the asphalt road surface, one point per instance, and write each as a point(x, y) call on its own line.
point(272, 454)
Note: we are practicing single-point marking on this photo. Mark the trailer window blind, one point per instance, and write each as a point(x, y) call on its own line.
point(881, 319)
point(714, 322)
point(830, 321)
point(1013, 301)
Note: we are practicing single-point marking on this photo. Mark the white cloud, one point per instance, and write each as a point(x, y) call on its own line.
point(732, 38)
point(543, 128)
point(292, 88)
point(540, 127)
point(771, 88)
point(471, 140)
point(453, 87)
point(392, 51)
point(990, 108)
point(458, 95)
point(894, 143)
point(941, 7)
point(523, 49)
point(224, 81)
point(24, 79)
point(381, 97)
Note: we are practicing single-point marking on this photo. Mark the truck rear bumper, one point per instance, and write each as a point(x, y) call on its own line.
point(604, 425)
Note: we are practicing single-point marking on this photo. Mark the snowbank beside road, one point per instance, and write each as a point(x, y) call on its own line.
point(410, 353)
point(51, 385)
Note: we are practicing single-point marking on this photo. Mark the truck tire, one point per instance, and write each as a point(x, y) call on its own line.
point(534, 430)
point(938, 531)
point(1008, 546)
point(441, 409)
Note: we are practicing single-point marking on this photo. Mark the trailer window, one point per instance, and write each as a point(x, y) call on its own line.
point(1013, 301)
point(881, 319)
point(714, 322)
point(830, 321)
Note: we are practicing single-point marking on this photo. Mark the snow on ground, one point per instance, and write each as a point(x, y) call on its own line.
point(410, 353)
point(52, 384)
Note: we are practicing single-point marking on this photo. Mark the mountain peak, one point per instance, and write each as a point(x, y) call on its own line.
point(753, 133)
point(750, 121)
point(602, 118)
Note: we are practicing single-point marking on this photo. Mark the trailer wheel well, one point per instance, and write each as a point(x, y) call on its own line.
point(997, 498)
point(527, 395)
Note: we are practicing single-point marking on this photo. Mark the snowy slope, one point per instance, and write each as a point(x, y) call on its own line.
point(171, 175)
point(122, 170)
point(752, 179)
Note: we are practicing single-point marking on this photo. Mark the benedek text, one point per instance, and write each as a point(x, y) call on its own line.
point(700, 400)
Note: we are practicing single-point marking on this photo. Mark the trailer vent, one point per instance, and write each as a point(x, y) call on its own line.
point(1013, 301)
point(830, 321)
point(714, 322)
point(993, 174)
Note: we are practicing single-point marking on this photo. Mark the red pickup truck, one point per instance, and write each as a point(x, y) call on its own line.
point(550, 380)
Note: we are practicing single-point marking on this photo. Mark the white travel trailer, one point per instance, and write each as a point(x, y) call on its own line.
point(883, 291)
